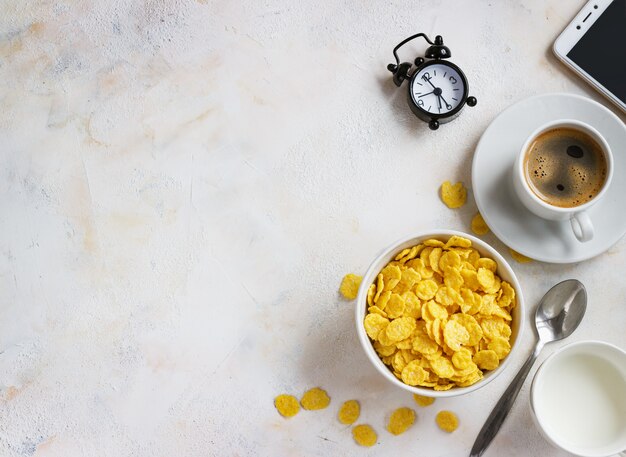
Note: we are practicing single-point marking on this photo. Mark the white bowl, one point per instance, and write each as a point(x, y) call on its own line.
point(504, 271)
point(577, 399)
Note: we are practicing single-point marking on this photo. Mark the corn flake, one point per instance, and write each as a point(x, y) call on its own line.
point(426, 289)
point(371, 292)
point(374, 324)
point(458, 241)
point(395, 306)
point(409, 277)
point(384, 351)
point(287, 405)
point(479, 226)
point(486, 263)
point(442, 367)
point(411, 254)
point(433, 259)
point(349, 287)
point(450, 261)
point(453, 195)
point(447, 421)
point(375, 309)
point(485, 278)
point(521, 258)
point(455, 335)
point(486, 360)
point(349, 412)
point(412, 305)
point(461, 359)
point(364, 435)
point(413, 374)
point(380, 285)
point(391, 276)
point(401, 420)
point(400, 328)
point(422, 400)
point(500, 346)
point(314, 399)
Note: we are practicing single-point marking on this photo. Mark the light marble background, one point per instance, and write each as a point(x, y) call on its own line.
point(183, 185)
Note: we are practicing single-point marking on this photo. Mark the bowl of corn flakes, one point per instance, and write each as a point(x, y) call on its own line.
point(439, 313)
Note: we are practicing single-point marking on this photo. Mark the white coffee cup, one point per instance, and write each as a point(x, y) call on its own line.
point(578, 215)
point(578, 399)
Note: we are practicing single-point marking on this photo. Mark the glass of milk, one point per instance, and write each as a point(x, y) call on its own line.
point(578, 399)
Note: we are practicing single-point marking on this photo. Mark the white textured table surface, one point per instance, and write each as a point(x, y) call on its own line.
point(183, 185)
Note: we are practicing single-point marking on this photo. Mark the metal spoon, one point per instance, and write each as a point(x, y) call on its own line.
point(558, 314)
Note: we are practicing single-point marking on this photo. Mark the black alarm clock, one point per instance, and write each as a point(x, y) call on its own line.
point(438, 89)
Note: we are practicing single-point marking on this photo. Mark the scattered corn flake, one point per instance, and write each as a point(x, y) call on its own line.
point(349, 412)
point(315, 398)
point(521, 258)
point(447, 421)
point(453, 195)
point(479, 226)
point(287, 405)
point(400, 421)
point(364, 435)
point(422, 400)
point(350, 286)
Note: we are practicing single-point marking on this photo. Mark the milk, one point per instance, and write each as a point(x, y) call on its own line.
point(582, 401)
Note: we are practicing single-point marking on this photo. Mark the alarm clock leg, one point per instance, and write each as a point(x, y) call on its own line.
point(434, 124)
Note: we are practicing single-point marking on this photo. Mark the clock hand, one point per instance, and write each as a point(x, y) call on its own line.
point(439, 101)
point(428, 81)
point(420, 96)
point(448, 105)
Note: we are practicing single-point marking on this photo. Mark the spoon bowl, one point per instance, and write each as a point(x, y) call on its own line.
point(560, 310)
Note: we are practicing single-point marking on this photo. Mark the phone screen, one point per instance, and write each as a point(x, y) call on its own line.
point(601, 52)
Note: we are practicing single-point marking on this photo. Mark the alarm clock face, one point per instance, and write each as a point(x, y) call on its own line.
point(438, 88)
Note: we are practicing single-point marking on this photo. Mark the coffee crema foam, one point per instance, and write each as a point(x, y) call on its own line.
point(565, 167)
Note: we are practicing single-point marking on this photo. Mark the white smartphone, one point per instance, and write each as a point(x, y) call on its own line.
point(594, 46)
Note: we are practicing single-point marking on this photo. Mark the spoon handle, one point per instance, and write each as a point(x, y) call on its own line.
point(504, 405)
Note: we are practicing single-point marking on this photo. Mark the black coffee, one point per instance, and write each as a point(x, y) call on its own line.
point(565, 167)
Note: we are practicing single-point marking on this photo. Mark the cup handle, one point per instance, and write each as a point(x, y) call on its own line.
point(582, 226)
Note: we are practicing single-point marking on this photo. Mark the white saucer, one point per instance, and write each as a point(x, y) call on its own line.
point(518, 228)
